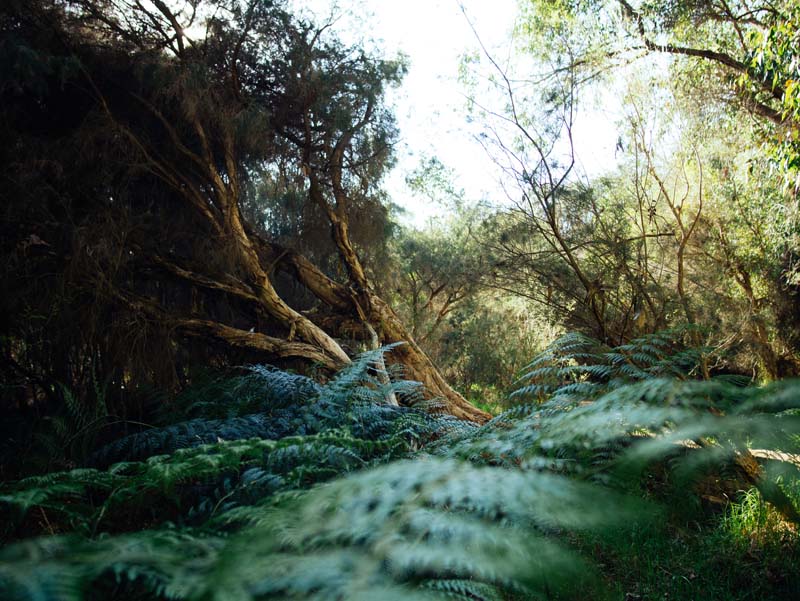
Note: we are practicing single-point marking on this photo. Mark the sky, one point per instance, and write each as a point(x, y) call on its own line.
point(430, 105)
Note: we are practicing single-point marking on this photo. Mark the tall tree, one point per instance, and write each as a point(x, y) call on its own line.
point(175, 126)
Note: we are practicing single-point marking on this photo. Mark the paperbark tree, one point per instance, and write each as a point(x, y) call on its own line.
point(194, 122)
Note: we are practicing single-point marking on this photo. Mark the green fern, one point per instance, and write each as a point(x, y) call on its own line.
point(580, 366)
point(395, 528)
point(341, 496)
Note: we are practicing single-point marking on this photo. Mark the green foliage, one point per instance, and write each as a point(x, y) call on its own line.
point(469, 348)
point(696, 560)
point(689, 223)
point(407, 529)
point(775, 61)
point(579, 366)
point(649, 387)
point(304, 433)
point(122, 148)
point(69, 437)
point(269, 403)
point(428, 525)
point(442, 288)
point(753, 522)
point(345, 504)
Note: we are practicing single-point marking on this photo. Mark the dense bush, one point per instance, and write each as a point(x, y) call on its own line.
point(321, 491)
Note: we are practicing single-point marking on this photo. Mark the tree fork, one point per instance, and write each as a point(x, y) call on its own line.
point(381, 318)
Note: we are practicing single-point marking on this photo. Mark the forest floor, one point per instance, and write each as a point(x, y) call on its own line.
point(745, 553)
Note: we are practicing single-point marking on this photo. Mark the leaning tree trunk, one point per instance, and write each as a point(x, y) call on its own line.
point(358, 299)
point(273, 304)
point(418, 365)
point(206, 176)
point(346, 316)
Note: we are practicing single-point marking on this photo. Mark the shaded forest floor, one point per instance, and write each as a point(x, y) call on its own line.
point(748, 553)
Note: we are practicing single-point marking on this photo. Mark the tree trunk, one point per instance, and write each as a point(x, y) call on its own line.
point(381, 318)
point(418, 365)
point(273, 304)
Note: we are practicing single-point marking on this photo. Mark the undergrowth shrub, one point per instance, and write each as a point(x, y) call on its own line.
point(301, 490)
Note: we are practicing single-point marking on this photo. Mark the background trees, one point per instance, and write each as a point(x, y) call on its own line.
point(697, 224)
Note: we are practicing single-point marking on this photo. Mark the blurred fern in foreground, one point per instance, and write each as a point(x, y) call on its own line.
point(322, 491)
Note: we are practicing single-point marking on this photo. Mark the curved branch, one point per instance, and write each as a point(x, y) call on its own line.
point(228, 335)
point(777, 92)
point(254, 341)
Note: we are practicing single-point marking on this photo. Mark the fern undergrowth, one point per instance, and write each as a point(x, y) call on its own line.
point(270, 485)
